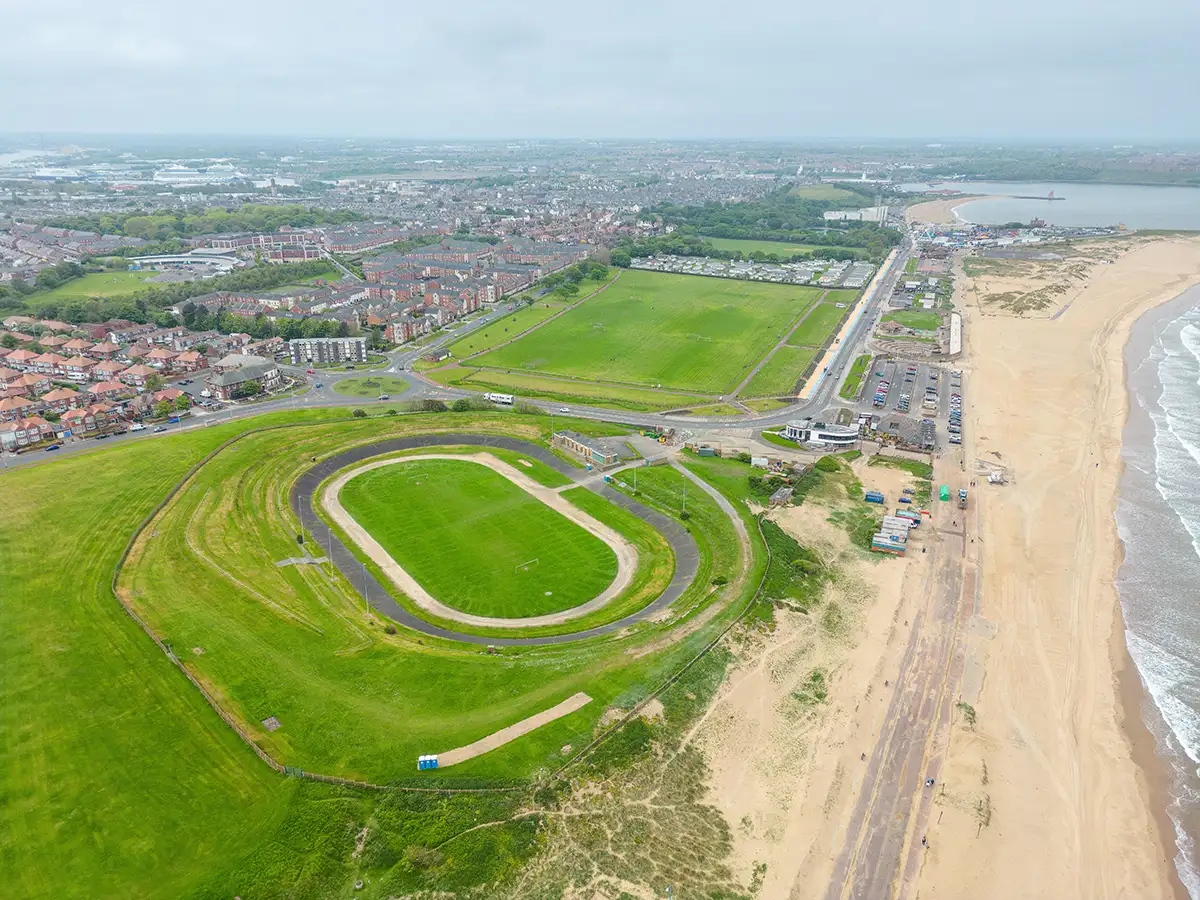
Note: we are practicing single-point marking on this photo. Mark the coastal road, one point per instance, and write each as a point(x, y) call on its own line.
point(881, 848)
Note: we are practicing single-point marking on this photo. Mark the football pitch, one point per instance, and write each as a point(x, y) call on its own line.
point(678, 331)
point(476, 541)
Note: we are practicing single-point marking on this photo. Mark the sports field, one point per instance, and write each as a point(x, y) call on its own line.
point(476, 541)
point(678, 331)
point(120, 780)
point(99, 284)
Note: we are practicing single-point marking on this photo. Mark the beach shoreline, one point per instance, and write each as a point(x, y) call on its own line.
point(1060, 709)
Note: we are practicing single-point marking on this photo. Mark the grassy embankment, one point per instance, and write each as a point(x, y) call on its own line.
point(854, 378)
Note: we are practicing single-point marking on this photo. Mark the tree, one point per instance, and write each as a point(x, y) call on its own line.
point(162, 409)
point(183, 403)
point(621, 259)
point(462, 404)
point(247, 389)
point(154, 382)
point(9, 342)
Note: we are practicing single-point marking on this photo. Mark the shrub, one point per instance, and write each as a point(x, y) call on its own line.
point(461, 405)
point(360, 414)
point(422, 857)
point(827, 464)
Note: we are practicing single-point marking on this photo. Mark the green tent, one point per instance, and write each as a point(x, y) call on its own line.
point(944, 493)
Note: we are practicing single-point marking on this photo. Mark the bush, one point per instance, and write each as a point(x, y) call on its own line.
point(390, 412)
point(827, 464)
point(422, 857)
point(461, 405)
point(359, 414)
point(743, 457)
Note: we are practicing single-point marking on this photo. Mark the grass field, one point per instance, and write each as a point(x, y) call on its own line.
point(820, 325)
point(767, 404)
point(781, 373)
point(719, 409)
point(505, 329)
point(826, 192)
point(565, 390)
point(683, 332)
point(471, 537)
point(779, 440)
point(118, 778)
point(855, 377)
point(99, 284)
point(370, 388)
point(911, 318)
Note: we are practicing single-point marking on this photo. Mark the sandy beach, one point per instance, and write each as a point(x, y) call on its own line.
point(1072, 814)
point(941, 212)
point(1053, 790)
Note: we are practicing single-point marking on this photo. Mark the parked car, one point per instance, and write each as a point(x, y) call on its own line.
point(137, 426)
point(102, 437)
point(54, 447)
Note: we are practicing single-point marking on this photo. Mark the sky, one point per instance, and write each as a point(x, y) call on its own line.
point(1036, 69)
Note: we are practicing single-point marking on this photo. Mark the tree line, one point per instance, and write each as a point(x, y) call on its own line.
point(162, 225)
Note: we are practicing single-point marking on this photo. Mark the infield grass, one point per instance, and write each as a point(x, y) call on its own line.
point(678, 331)
point(478, 542)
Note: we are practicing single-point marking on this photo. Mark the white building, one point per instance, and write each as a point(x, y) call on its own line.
point(806, 431)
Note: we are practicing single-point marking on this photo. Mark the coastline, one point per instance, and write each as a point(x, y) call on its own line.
point(1071, 769)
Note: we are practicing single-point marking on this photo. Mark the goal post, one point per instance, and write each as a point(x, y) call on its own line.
point(526, 566)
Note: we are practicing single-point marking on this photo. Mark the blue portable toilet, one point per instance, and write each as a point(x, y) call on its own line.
point(429, 761)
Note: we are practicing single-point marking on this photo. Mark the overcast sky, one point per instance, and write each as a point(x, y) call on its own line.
point(1005, 69)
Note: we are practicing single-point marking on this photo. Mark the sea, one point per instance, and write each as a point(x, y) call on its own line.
point(1084, 205)
point(1158, 519)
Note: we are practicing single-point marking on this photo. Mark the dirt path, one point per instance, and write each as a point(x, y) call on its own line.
point(514, 731)
point(626, 553)
point(783, 340)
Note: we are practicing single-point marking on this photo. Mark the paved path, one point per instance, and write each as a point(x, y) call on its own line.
point(624, 551)
point(687, 558)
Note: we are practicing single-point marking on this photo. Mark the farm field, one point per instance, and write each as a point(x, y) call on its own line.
point(781, 373)
point(911, 318)
point(478, 542)
point(98, 284)
point(369, 387)
point(564, 389)
point(678, 331)
point(96, 718)
point(820, 325)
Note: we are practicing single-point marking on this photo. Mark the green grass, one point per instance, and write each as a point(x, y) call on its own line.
point(370, 387)
point(719, 409)
point(98, 284)
point(779, 440)
point(826, 192)
point(914, 467)
point(678, 331)
point(119, 780)
point(505, 329)
point(819, 327)
point(911, 318)
point(768, 404)
point(565, 390)
point(781, 373)
point(910, 265)
point(854, 377)
point(462, 530)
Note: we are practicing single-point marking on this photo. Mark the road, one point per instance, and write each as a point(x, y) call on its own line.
point(401, 362)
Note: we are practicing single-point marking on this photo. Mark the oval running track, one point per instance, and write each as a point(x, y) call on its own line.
point(301, 499)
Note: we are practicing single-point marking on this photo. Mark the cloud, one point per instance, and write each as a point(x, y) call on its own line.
point(1067, 68)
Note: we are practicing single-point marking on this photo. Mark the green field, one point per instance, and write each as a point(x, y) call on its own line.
point(714, 411)
point(478, 542)
point(562, 389)
point(781, 373)
point(767, 404)
point(826, 192)
point(855, 377)
point(678, 331)
point(98, 284)
point(120, 780)
point(819, 327)
point(370, 387)
point(505, 329)
point(911, 318)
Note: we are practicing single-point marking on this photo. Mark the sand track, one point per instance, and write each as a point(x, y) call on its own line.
point(512, 732)
point(626, 553)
